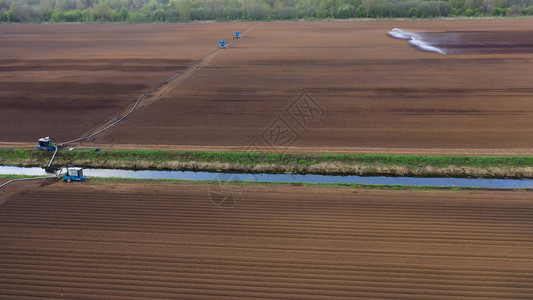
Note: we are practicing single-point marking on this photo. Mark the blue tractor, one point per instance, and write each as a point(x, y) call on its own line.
point(237, 35)
point(69, 174)
point(46, 144)
point(223, 44)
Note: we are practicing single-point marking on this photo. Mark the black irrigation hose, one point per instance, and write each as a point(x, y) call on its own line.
point(21, 179)
point(146, 94)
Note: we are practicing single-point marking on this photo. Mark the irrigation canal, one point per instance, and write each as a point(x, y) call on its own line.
point(288, 178)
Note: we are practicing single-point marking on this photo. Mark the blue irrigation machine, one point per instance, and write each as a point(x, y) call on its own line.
point(66, 174)
point(69, 174)
point(223, 44)
point(237, 35)
point(46, 144)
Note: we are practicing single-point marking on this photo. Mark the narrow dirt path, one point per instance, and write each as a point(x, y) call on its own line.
point(310, 150)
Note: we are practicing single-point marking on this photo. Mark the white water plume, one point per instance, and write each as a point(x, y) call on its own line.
point(415, 39)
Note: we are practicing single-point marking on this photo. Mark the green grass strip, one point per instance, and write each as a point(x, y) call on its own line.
point(373, 164)
point(17, 155)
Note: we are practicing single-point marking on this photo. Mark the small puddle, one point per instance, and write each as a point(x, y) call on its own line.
point(288, 178)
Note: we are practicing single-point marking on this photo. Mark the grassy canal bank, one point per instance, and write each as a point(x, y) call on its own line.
point(274, 184)
point(343, 164)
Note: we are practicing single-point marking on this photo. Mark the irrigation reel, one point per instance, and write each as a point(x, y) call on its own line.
point(68, 173)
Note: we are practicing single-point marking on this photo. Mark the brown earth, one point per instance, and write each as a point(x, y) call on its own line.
point(63, 80)
point(377, 93)
point(152, 241)
point(482, 42)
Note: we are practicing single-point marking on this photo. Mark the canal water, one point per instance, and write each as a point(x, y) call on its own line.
point(288, 178)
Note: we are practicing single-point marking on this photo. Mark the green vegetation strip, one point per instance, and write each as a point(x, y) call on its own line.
point(344, 164)
point(265, 10)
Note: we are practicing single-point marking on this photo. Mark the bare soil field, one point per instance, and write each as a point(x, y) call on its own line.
point(483, 42)
point(63, 80)
point(168, 241)
point(372, 93)
point(378, 94)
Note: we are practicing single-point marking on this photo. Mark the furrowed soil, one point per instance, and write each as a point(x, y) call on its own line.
point(373, 93)
point(155, 241)
point(378, 94)
point(64, 80)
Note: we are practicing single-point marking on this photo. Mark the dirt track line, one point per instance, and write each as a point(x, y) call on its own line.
point(424, 224)
point(369, 236)
point(288, 282)
point(432, 236)
point(186, 282)
point(177, 259)
point(315, 150)
point(265, 247)
point(248, 289)
point(243, 266)
point(163, 87)
point(287, 273)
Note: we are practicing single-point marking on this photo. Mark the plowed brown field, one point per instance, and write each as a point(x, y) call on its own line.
point(151, 241)
point(64, 80)
point(379, 94)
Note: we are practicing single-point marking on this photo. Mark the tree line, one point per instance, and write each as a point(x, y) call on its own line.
point(253, 10)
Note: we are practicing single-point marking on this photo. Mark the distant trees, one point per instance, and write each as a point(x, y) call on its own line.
point(123, 14)
point(21, 12)
point(192, 10)
point(346, 11)
point(102, 12)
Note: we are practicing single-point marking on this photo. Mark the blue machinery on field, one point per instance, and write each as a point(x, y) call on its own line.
point(223, 44)
point(69, 174)
point(76, 174)
point(46, 144)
